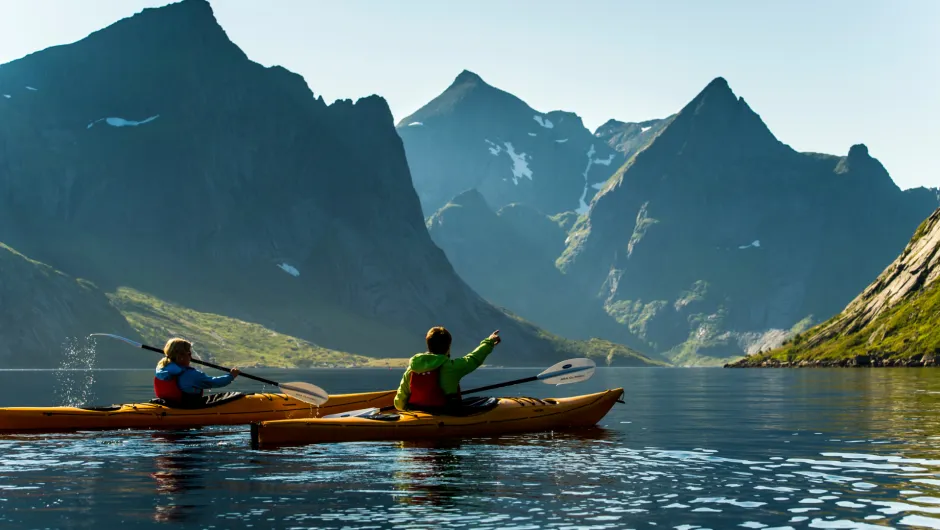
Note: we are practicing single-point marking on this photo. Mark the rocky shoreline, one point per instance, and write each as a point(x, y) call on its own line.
point(859, 361)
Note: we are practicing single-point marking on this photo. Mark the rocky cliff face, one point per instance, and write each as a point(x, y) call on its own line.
point(508, 256)
point(476, 136)
point(912, 273)
point(717, 232)
point(894, 321)
point(154, 154)
point(630, 138)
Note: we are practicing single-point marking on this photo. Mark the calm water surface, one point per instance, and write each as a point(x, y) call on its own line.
point(692, 448)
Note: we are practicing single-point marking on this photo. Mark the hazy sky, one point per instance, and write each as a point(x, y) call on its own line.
point(822, 75)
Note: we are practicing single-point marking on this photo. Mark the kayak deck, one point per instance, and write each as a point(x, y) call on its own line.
point(511, 415)
point(229, 408)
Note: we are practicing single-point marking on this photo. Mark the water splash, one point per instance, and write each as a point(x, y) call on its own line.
point(75, 376)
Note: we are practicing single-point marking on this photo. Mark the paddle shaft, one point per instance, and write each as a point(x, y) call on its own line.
point(501, 385)
point(211, 365)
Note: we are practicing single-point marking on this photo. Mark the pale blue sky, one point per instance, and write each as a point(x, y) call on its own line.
point(822, 74)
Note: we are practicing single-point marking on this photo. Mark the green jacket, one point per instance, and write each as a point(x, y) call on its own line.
point(452, 370)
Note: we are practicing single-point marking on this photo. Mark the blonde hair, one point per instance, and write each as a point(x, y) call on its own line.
point(173, 350)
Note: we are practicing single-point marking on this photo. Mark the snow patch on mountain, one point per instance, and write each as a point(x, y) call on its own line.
point(520, 166)
point(121, 122)
point(520, 161)
point(289, 269)
point(494, 149)
point(582, 205)
point(544, 122)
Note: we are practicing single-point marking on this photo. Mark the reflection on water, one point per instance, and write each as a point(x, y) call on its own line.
point(180, 470)
point(429, 473)
point(691, 449)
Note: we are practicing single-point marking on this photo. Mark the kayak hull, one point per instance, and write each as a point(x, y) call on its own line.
point(510, 416)
point(240, 410)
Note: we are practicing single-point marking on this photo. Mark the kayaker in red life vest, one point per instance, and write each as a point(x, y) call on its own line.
point(432, 380)
point(176, 381)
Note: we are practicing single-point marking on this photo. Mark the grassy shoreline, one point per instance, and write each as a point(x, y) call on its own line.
point(235, 342)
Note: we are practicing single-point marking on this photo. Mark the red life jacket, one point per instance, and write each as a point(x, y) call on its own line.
point(426, 389)
point(167, 390)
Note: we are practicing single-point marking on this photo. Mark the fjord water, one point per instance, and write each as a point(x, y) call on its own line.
point(691, 448)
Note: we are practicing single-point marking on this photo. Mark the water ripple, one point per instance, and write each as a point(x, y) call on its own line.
point(814, 449)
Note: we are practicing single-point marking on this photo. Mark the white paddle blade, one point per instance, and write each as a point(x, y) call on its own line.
point(118, 337)
point(305, 392)
point(570, 371)
point(352, 413)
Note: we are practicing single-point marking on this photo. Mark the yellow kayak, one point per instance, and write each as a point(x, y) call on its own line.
point(493, 417)
point(229, 408)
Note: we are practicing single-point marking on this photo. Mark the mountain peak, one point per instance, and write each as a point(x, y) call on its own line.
point(718, 83)
point(867, 171)
point(467, 76)
point(193, 6)
point(859, 151)
point(471, 198)
point(717, 95)
point(469, 205)
point(178, 18)
point(183, 29)
point(609, 125)
point(471, 93)
point(717, 121)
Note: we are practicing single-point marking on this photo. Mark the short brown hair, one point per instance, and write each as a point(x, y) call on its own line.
point(438, 340)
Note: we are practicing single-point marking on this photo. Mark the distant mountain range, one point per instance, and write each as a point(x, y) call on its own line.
point(153, 155)
point(209, 196)
point(476, 136)
point(709, 240)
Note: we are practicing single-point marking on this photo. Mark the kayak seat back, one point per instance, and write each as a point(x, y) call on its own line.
point(378, 416)
point(467, 407)
point(475, 405)
point(202, 402)
point(103, 408)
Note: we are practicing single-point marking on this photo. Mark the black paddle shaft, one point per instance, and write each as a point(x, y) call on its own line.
point(501, 385)
point(211, 365)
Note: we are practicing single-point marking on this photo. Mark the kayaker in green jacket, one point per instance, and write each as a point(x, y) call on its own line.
point(432, 380)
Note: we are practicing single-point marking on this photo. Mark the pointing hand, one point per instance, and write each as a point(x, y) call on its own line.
point(495, 337)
